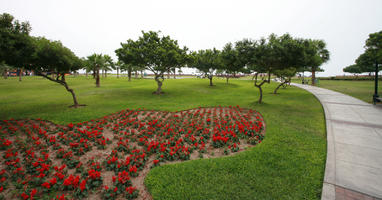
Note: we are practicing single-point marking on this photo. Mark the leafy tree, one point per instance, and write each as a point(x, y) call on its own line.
point(230, 60)
point(315, 55)
point(373, 53)
point(4, 69)
point(374, 46)
point(16, 46)
point(129, 56)
point(159, 54)
point(354, 69)
point(285, 76)
point(52, 56)
point(96, 62)
point(267, 55)
point(206, 61)
point(109, 64)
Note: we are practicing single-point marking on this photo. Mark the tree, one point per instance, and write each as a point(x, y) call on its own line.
point(53, 57)
point(267, 55)
point(108, 65)
point(16, 46)
point(159, 54)
point(206, 61)
point(95, 63)
point(374, 46)
point(231, 61)
point(285, 76)
point(315, 55)
point(4, 69)
point(129, 55)
point(354, 69)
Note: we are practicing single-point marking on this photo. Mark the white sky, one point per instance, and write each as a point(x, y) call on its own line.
point(93, 26)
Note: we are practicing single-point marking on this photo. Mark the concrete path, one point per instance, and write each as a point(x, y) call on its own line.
point(354, 151)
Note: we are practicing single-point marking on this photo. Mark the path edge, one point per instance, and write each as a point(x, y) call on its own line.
point(328, 186)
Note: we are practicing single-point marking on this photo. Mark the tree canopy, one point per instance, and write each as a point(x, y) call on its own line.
point(16, 46)
point(206, 61)
point(157, 53)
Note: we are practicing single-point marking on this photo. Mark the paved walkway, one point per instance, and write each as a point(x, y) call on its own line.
point(354, 151)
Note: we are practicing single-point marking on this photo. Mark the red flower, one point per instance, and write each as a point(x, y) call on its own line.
point(133, 169)
point(1, 189)
point(24, 196)
point(156, 162)
point(62, 197)
point(130, 189)
point(83, 185)
point(46, 185)
point(53, 181)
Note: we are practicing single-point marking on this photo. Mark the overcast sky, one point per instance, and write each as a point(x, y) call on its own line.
point(92, 26)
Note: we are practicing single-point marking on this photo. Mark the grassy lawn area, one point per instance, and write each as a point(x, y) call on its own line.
point(288, 164)
point(363, 90)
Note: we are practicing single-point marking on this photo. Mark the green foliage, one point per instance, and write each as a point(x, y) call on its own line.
point(230, 60)
point(206, 61)
point(354, 69)
point(16, 46)
point(52, 56)
point(373, 53)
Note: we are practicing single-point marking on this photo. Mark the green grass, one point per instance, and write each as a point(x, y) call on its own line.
point(362, 90)
point(289, 164)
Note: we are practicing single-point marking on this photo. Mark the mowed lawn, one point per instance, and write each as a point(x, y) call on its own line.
point(288, 164)
point(363, 90)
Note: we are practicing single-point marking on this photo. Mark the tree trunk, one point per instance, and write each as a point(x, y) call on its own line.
point(210, 77)
point(20, 74)
point(86, 74)
point(117, 72)
point(141, 73)
point(281, 84)
point(168, 74)
point(5, 74)
point(136, 73)
point(313, 76)
point(105, 73)
point(260, 86)
point(174, 73)
point(227, 77)
point(160, 83)
point(63, 82)
point(129, 73)
point(261, 93)
point(97, 78)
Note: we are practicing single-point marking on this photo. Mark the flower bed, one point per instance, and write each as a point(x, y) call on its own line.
point(108, 158)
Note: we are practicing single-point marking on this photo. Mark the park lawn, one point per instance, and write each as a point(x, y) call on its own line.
point(362, 90)
point(288, 164)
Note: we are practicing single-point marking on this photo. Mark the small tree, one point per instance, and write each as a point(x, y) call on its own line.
point(285, 76)
point(231, 61)
point(109, 64)
point(267, 55)
point(315, 55)
point(159, 54)
point(353, 69)
point(206, 61)
point(52, 56)
point(95, 62)
point(4, 69)
point(16, 46)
